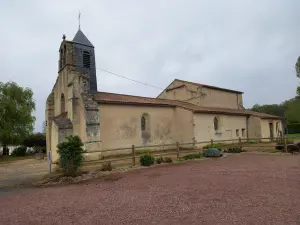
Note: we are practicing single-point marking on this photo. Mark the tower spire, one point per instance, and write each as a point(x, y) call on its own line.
point(79, 14)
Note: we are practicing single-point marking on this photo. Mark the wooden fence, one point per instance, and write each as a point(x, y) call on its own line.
point(179, 149)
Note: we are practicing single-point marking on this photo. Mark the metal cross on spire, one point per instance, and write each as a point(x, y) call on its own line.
point(79, 14)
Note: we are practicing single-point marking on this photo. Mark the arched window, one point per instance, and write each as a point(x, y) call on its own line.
point(216, 123)
point(143, 123)
point(62, 103)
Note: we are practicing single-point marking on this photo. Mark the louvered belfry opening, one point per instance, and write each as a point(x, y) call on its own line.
point(86, 59)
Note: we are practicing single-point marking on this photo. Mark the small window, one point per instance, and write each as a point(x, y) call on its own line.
point(62, 103)
point(143, 123)
point(243, 132)
point(86, 59)
point(237, 132)
point(216, 123)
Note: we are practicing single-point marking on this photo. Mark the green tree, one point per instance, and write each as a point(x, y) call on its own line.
point(16, 108)
point(35, 140)
point(292, 108)
point(274, 109)
point(297, 66)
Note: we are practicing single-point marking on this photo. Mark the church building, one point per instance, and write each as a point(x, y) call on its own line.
point(184, 112)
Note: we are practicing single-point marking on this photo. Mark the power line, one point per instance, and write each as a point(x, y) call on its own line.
point(127, 78)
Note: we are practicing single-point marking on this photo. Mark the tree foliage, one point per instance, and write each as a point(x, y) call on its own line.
point(297, 66)
point(274, 109)
point(16, 108)
point(290, 110)
point(36, 140)
point(70, 155)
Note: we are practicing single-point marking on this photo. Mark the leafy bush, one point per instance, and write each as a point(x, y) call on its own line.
point(168, 160)
point(194, 156)
point(159, 160)
point(234, 150)
point(70, 155)
point(146, 160)
point(212, 152)
point(20, 151)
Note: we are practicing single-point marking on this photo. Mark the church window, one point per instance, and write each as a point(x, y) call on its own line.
point(237, 132)
point(62, 103)
point(143, 123)
point(86, 59)
point(216, 123)
point(243, 132)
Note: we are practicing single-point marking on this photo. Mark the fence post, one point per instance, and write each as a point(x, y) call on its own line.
point(133, 155)
point(177, 146)
point(285, 145)
point(211, 142)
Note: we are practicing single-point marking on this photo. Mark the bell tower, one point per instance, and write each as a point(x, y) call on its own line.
point(79, 54)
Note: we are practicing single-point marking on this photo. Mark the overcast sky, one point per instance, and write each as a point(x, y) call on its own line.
point(251, 46)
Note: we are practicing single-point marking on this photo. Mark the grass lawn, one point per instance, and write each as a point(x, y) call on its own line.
point(293, 135)
point(9, 158)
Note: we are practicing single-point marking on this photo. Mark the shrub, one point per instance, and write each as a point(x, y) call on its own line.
point(146, 160)
point(212, 152)
point(168, 160)
point(193, 156)
point(159, 160)
point(234, 150)
point(20, 151)
point(70, 155)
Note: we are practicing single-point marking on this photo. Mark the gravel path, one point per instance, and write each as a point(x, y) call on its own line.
point(243, 189)
point(21, 171)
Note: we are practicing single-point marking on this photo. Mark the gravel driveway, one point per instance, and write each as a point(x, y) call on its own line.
point(242, 189)
point(21, 171)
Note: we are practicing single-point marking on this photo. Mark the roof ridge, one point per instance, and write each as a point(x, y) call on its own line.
point(209, 86)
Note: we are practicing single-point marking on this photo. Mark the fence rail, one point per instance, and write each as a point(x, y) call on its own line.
point(190, 147)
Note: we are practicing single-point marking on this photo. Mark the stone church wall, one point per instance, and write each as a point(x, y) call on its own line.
point(120, 126)
point(203, 96)
point(228, 126)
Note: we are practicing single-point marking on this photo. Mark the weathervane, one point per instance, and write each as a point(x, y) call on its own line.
point(79, 14)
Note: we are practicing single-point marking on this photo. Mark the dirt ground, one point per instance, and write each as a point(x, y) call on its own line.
point(21, 171)
point(241, 189)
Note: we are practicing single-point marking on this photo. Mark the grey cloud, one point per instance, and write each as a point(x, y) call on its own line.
point(250, 46)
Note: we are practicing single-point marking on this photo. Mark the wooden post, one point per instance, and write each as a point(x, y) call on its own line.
point(133, 155)
point(285, 145)
point(240, 142)
point(211, 142)
point(177, 146)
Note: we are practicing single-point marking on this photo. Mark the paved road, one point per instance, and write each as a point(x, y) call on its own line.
point(21, 171)
point(242, 189)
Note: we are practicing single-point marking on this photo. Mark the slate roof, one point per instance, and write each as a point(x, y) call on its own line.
point(62, 121)
point(80, 38)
